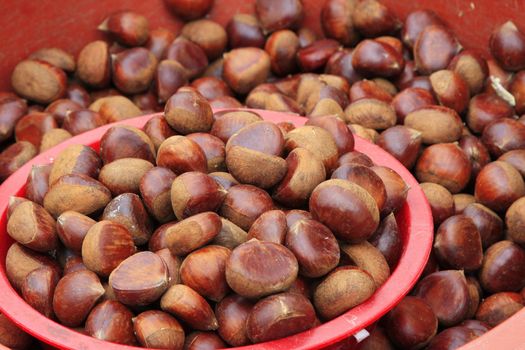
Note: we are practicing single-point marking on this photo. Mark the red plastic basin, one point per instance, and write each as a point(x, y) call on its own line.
point(414, 220)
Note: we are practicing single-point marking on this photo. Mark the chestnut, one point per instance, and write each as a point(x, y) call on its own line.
point(33, 126)
point(75, 295)
point(447, 294)
point(372, 18)
point(20, 261)
point(38, 289)
point(489, 224)
point(396, 189)
point(123, 175)
point(315, 56)
point(192, 233)
point(507, 45)
point(248, 278)
point(229, 123)
point(126, 142)
point(453, 338)
point(340, 63)
point(75, 159)
point(190, 55)
point(341, 290)
point(140, 279)
point(111, 321)
point(232, 313)
point(115, 108)
point(155, 190)
point(173, 265)
point(38, 81)
point(105, 246)
point(409, 100)
point(203, 340)
point(498, 185)
point(56, 57)
point(498, 307)
point(402, 142)
point(126, 27)
point(223, 179)
point(317, 140)
point(412, 323)
point(462, 201)
point(415, 22)
point(437, 124)
point(434, 48)
point(472, 68)
point(187, 111)
point(301, 163)
point(514, 221)
point(314, 246)
point(158, 329)
point(180, 154)
point(211, 87)
point(194, 192)
point(516, 158)
point(230, 235)
point(209, 35)
point(189, 9)
point(245, 68)
point(503, 269)
point(450, 89)
point(12, 108)
point(128, 210)
point(244, 31)
point(38, 183)
point(476, 152)
point(278, 316)
point(371, 113)
point(368, 258)
point(364, 177)
point(170, 75)
point(31, 225)
point(377, 339)
point(204, 271)
point(353, 217)
point(188, 306)
point(158, 41)
point(278, 14)
point(440, 200)
point(94, 64)
point(336, 20)
point(445, 164)
point(377, 59)
point(369, 89)
point(343, 138)
point(387, 240)
point(243, 204)
point(457, 244)
point(503, 135)
point(270, 227)
point(282, 46)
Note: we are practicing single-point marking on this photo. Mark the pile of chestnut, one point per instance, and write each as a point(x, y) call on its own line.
point(157, 245)
point(448, 114)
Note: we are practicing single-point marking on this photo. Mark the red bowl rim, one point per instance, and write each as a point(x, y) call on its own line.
point(411, 264)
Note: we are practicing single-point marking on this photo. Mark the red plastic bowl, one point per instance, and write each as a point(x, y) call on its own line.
point(414, 220)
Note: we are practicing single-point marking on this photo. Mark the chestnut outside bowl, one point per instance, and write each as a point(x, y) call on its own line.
point(414, 220)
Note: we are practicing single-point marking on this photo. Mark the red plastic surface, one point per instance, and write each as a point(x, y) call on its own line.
point(414, 219)
point(28, 25)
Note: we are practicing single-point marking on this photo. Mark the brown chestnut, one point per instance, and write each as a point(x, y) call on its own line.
point(278, 316)
point(248, 278)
